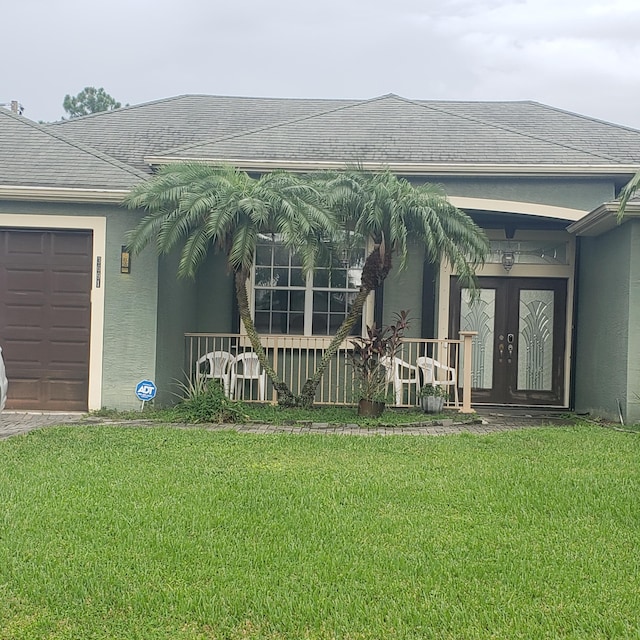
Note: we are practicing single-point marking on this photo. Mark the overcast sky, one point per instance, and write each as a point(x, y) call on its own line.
point(578, 55)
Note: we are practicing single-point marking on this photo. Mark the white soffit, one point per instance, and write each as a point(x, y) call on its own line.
point(512, 206)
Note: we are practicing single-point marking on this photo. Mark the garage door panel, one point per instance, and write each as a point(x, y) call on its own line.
point(45, 316)
point(68, 318)
point(20, 315)
point(21, 245)
point(22, 281)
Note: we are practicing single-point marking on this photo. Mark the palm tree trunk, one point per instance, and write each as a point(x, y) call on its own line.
point(309, 389)
point(285, 397)
point(375, 270)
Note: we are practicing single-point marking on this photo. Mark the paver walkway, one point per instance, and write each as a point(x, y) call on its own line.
point(487, 421)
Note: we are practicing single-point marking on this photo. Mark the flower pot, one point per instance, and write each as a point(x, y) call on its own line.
point(432, 404)
point(370, 408)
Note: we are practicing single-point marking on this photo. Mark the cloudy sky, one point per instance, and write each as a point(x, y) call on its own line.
point(578, 55)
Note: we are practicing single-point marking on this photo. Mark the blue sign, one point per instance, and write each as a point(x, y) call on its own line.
point(146, 390)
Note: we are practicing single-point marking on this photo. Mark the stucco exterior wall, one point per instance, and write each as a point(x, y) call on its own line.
point(177, 312)
point(585, 194)
point(603, 321)
point(130, 301)
point(403, 291)
point(216, 297)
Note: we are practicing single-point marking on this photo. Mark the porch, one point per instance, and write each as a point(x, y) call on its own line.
point(230, 359)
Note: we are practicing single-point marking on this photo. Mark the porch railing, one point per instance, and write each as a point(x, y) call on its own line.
point(295, 358)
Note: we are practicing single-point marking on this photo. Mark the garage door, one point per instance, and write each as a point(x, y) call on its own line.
point(45, 313)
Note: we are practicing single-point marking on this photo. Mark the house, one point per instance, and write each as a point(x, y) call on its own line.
point(558, 314)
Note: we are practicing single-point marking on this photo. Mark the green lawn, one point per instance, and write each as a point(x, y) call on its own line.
point(147, 533)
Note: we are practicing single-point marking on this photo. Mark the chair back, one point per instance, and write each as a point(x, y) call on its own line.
point(426, 365)
point(250, 364)
point(219, 362)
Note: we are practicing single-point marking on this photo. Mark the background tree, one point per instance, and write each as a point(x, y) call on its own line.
point(202, 208)
point(89, 100)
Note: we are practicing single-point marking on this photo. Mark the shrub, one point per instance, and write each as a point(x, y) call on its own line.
point(204, 400)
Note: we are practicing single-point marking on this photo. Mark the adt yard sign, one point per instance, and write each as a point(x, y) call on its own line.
point(146, 390)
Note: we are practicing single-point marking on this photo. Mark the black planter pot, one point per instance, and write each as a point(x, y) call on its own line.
point(370, 409)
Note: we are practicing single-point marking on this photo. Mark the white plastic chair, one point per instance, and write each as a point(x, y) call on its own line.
point(246, 366)
point(218, 366)
point(399, 373)
point(436, 373)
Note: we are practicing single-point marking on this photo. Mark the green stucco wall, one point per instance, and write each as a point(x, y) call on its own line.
point(177, 309)
point(216, 297)
point(403, 291)
point(129, 343)
point(585, 194)
point(204, 304)
point(607, 369)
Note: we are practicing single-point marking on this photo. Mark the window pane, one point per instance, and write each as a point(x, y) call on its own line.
point(263, 300)
point(279, 322)
point(320, 324)
point(296, 324)
point(338, 303)
point(296, 301)
point(263, 254)
point(297, 279)
point(320, 301)
point(281, 277)
point(263, 276)
point(321, 278)
point(262, 322)
point(281, 255)
point(339, 278)
point(280, 300)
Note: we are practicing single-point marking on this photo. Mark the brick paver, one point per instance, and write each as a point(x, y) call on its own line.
point(17, 422)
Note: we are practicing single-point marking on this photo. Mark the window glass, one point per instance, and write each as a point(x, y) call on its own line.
point(282, 294)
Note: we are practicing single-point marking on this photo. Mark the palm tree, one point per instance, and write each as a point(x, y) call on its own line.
point(627, 193)
point(203, 207)
point(387, 211)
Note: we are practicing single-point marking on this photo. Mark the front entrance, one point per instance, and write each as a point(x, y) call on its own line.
point(519, 352)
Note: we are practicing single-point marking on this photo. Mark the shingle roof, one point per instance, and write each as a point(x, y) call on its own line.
point(391, 129)
point(385, 129)
point(34, 156)
point(132, 133)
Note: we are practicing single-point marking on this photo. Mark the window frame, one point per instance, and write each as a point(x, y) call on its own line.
point(308, 289)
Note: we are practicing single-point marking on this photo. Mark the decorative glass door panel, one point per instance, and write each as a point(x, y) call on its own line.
point(535, 338)
point(518, 354)
point(479, 315)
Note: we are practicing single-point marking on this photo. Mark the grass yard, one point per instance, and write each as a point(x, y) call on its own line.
point(152, 533)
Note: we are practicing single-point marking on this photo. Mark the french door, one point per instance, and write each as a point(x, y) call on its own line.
point(518, 356)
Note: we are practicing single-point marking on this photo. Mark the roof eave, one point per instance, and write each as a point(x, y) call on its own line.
point(62, 194)
point(409, 168)
point(603, 219)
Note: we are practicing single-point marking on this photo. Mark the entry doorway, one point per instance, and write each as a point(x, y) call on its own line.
point(518, 356)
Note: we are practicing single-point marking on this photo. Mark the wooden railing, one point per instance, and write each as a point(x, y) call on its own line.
point(295, 358)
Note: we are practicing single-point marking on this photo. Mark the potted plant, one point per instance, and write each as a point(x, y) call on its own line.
point(368, 362)
point(432, 397)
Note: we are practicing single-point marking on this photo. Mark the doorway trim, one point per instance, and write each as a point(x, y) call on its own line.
point(519, 270)
point(98, 226)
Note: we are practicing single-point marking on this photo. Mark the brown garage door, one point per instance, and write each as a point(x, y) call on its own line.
point(45, 313)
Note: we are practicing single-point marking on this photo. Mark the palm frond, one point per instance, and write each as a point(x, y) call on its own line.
point(627, 193)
